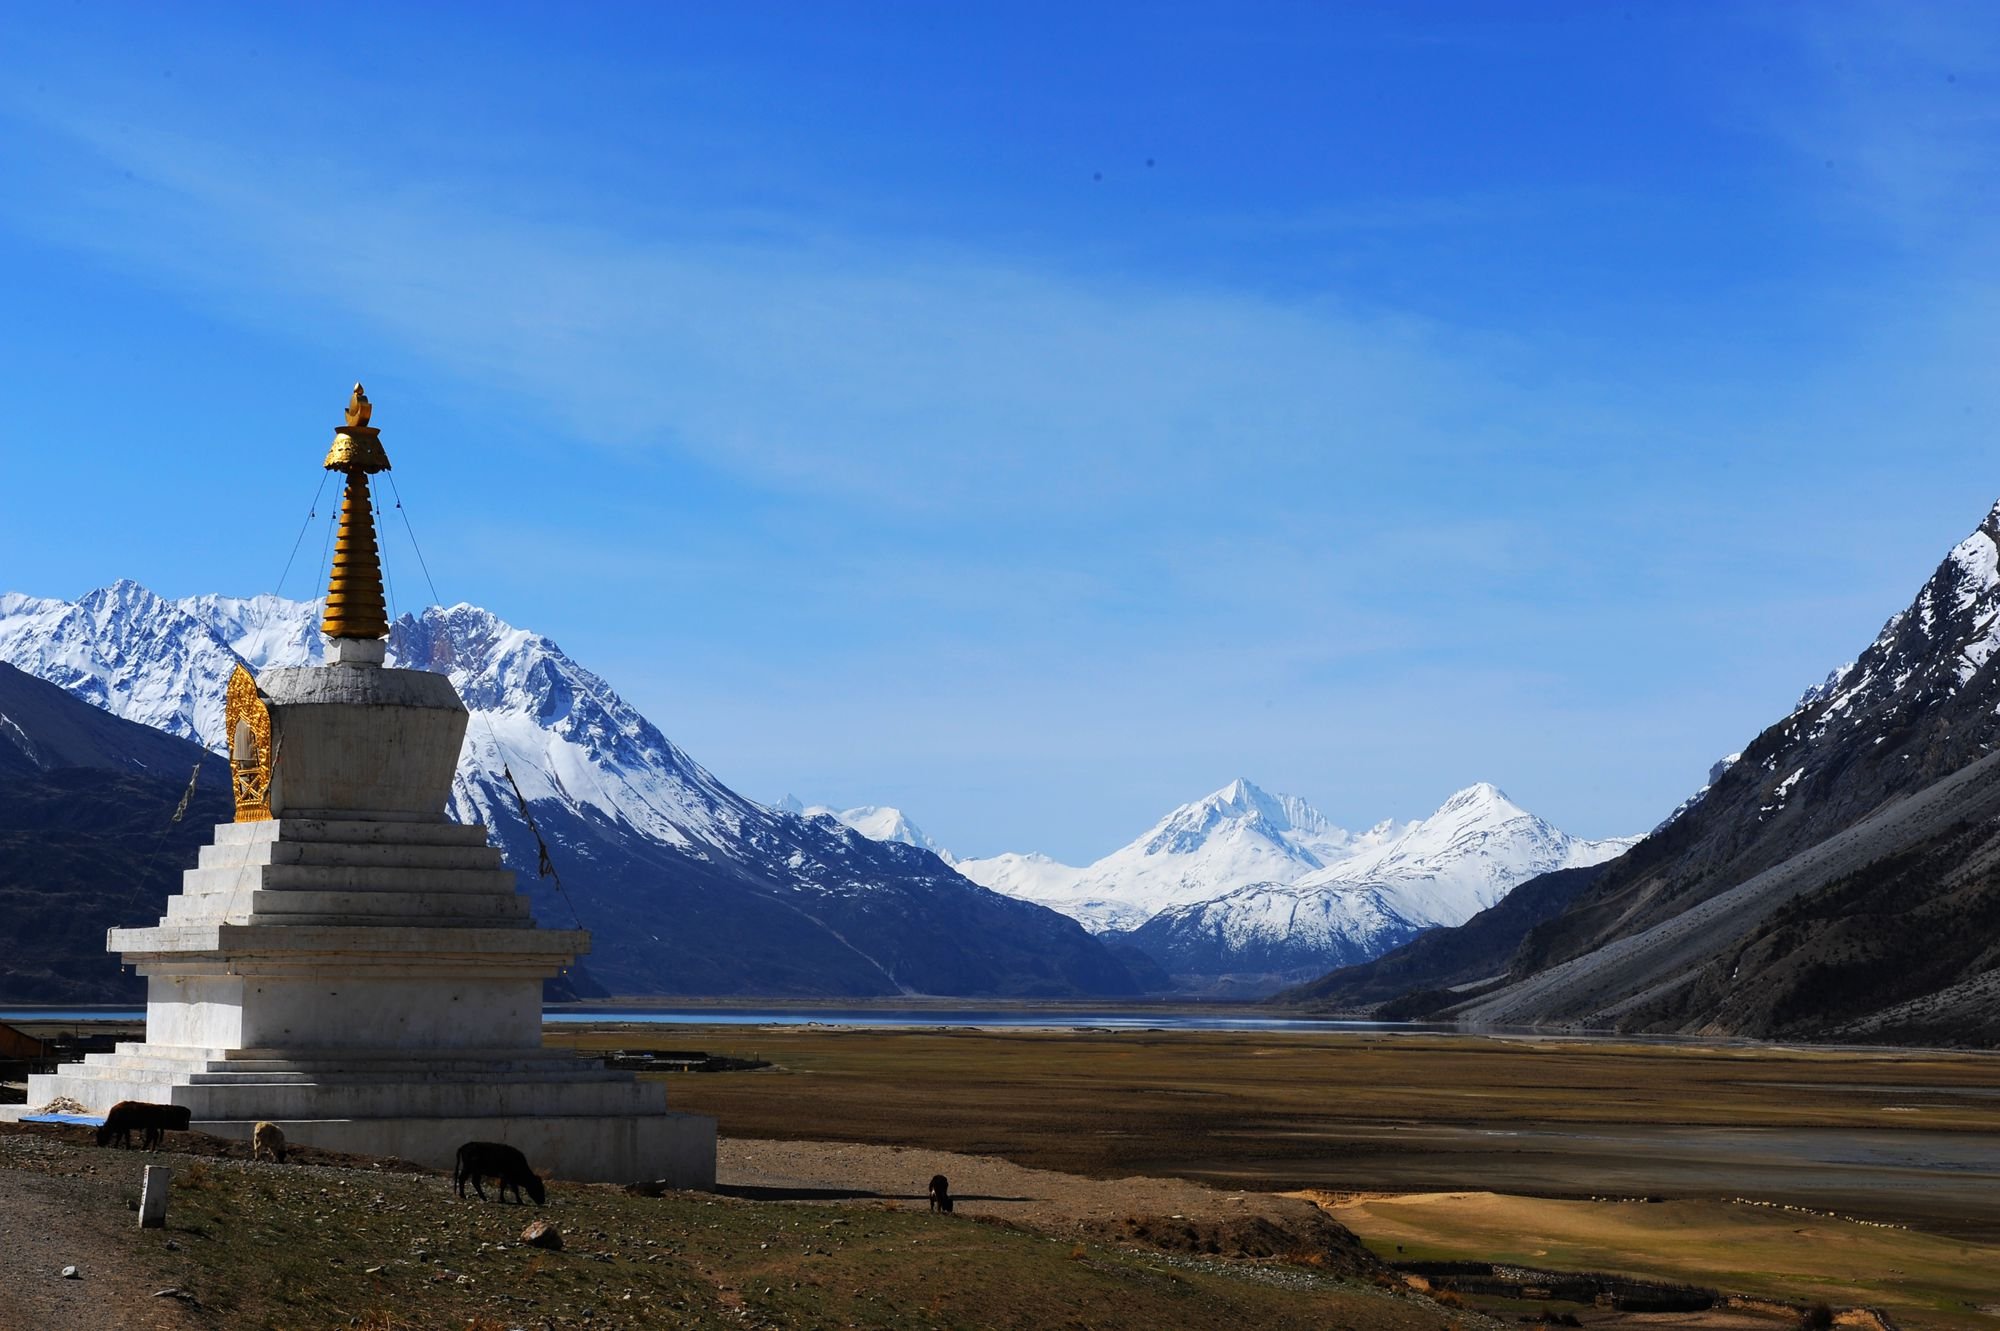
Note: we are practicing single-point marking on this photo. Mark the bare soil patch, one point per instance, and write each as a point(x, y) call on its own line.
point(1174, 1215)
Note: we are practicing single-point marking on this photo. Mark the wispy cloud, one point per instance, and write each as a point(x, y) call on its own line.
point(1900, 115)
point(922, 377)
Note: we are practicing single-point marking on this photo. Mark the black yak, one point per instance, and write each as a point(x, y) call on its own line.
point(477, 1160)
point(153, 1123)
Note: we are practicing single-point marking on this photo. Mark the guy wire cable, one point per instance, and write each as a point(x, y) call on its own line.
point(326, 561)
point(159, 845)
point(312, 511)
point(545, 867)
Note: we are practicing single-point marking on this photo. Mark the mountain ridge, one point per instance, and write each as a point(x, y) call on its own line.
point(1840, 879)
point(1231, 837)
point(759, 902)
point(1467, 856)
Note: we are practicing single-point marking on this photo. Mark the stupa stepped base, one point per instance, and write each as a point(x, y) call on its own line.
point(349, 871)
point(675, 1149)
point(573, 1117)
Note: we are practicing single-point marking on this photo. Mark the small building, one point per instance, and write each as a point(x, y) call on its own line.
point(18, 1048)
point(20, 1056)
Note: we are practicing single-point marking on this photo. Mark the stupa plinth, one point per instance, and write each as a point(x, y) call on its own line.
point(347, 962)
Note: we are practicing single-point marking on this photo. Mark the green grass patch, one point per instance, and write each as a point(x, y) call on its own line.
point(301, 1249)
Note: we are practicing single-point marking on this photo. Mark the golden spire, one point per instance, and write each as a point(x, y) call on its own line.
point(354, 602)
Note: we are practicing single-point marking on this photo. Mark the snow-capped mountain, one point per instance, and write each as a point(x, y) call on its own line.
point(1463, 858)
point(1236, 836)
point(877, 822)
point(1922, 702)
point(1838, 872)
point(1442, 870)
point(1029, 875)
point(123, 649)
point(1243, 882)
point(688, 886)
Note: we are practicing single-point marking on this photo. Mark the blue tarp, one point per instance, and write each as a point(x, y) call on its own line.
point(78, 1120)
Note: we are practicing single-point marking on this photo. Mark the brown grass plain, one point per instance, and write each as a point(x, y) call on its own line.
point(1672, 1139)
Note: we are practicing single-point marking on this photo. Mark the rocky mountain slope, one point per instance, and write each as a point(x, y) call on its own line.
point(88, 837)
point(1420, 976)
point(1837, 880)
point(1440, 871)
point(687, 886)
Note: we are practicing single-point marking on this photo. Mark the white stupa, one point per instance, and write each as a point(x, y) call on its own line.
point(348, 963)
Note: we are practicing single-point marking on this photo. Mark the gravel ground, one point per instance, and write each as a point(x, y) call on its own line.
point(50, 1218)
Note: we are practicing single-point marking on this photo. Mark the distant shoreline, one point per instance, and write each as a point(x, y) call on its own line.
point(929, 1013)
point(1027, 1016)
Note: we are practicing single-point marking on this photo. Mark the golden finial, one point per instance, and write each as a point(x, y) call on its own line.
point(357, 445)
point(359, 408)
point(354, 601)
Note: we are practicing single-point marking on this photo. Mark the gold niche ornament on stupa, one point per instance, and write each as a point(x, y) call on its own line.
point(354, 602)
point(248, 723)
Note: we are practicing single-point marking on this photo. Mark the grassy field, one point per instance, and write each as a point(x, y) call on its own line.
point(304, 1248)
point(1544, 1124)
point(1405, 1113)
point(1451, 1147)
point(1922, 1280)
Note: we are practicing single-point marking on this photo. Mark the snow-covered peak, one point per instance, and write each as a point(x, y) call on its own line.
point(1978, 557)
point(877, 822)
point(1481, 799)
point(562, 732)
point(126, 650)
point(1030, 875)
point(1229, 884)
point(1927, 651)
point(558, 729)
point(1476, 848)
point(264, 630)
point(1237, 809)
point(1230, 837)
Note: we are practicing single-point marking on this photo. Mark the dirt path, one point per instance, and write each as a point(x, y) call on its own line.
point(1160, 1212)
point(51, 1215)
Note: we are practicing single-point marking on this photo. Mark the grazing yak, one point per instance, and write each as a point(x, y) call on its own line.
point(267, 1139)
point(497, 1160)
point(153, 1123)
point(940, 1193)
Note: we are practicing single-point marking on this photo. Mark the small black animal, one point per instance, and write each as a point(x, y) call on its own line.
point(153, 1123)
point(497, 1160)
point(940, 1193)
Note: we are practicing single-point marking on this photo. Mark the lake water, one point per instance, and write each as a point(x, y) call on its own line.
point(1058, 1018)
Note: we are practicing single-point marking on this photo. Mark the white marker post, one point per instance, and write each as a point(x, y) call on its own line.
point(153, 1197)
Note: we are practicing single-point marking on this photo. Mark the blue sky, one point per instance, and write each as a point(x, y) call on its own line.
point(1036, 416)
